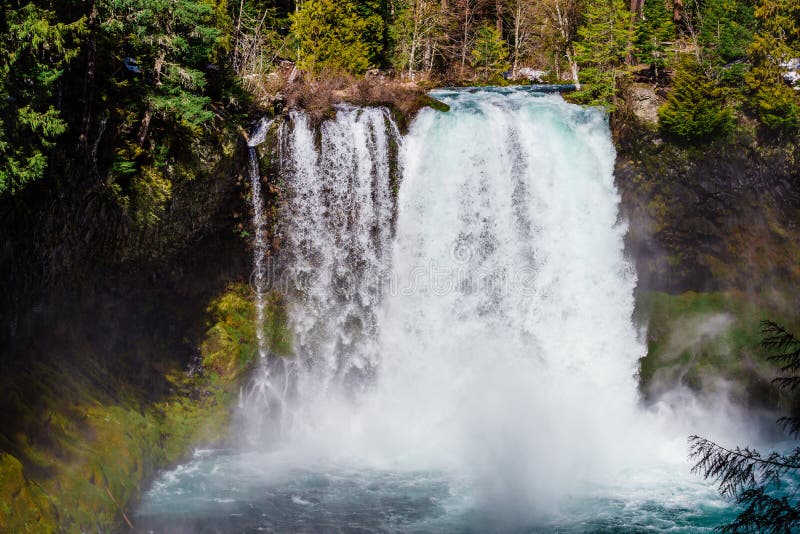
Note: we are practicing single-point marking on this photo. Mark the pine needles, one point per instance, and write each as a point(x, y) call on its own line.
point(753, 480)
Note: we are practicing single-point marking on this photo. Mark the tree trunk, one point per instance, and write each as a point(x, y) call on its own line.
point(143, 129)
point(465, 43)
point(414, 36)
point(573, 64)
point(517, 46)
point(88, 82)
point(573, 67)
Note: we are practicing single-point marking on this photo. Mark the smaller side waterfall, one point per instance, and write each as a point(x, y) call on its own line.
point(259, 243)
point(336, 221)
point(265, 395)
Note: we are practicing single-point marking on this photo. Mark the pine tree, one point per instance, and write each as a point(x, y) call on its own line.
point(602, 48)
point(332, 35)
point(726, 30)
point(654, 31)
point(490, 53)
point(776, 42)
point(755, 480)
point(35, 49)
point(171, 40)
point(695, 108)
point(375, 13)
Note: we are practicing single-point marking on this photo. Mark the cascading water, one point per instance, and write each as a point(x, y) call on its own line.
point(266, 393)
point(337, 227)
point(465, 357)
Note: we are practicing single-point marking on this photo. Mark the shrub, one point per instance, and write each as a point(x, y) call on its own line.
point(332, 36)
point(696, 108)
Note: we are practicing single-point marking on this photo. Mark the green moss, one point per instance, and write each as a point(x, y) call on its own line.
point(429, 101)
point(23, 506)
point(93, 441)
point(698, 339)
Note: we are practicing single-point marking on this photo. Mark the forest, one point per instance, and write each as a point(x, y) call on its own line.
point(131, 76)
point(134, 197)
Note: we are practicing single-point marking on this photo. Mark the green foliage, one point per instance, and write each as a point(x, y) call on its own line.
point(374, 13)
point(653, 32)
point(152, 190)
point(759, 482)
point(332, 35)
point(696, 107)
point(601, 49)
point(490, 53)
point(777, 41)
point(170, 39)
point(35, 49)
point(726, 30)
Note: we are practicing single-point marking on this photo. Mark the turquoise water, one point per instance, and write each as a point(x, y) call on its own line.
point(227, 492)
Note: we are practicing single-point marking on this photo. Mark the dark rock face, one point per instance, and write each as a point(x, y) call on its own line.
point(73, 229)
point(103, 305)
point(714, 233)
point(721, 216)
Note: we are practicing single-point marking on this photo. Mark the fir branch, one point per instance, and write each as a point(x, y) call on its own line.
point(740, 469)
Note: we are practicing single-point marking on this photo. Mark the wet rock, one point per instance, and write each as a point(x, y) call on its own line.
point(645, 103)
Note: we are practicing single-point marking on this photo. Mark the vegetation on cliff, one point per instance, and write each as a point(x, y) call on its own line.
point(760, 483)
point(94, 437)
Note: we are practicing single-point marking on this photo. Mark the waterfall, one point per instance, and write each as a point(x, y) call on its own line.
point(259, 277)
point(265, 395)
point(499, 289)
point(509, 349)
point(464, 354)
point(337, 224)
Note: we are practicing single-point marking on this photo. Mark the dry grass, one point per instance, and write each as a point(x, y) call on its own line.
point(318, 95)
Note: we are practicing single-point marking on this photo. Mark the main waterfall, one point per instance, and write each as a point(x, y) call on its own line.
point(465, 355)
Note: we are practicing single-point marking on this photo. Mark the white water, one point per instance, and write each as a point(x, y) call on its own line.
point(477, 347)
point(266, 393)
point(337, 228)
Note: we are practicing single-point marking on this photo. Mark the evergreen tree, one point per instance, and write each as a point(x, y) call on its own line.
point(332, 35)
point(695, 108)
point(726, 30)
point(490, 53)
point(776, 42)
point(172, 40)
point(602, 48)
point(375, 13)
point(35, 49)
point(653, 33)
point(756, 481)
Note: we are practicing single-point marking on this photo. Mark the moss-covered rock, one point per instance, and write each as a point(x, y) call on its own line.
point(93, 441)
point(709, 342)
point(24, 507)
point(714, 217)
